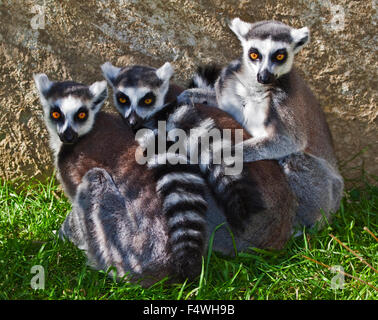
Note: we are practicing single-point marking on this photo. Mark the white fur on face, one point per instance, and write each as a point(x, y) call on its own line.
point(266, 48)
point(69, 106)
point(137, 93)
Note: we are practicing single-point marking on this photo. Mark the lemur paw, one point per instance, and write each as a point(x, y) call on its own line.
point(185, 98)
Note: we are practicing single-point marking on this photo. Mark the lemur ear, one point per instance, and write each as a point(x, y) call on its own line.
point(99, 90)
point(240, 28)
point(42, 83)
point(301, 37)
point(110, 72)
point(165, 72)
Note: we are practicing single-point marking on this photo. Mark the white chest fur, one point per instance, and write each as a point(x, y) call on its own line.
point(247, 106)
point(255, 112)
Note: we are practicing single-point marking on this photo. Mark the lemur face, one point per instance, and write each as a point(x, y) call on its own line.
point(70, 107)
point(269, 47)
point(138, 91)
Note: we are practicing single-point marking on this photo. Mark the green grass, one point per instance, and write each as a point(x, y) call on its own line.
point(29, 217)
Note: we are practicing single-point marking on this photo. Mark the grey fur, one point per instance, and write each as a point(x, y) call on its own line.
point(187, 239)
point(69, 98)
point(137, 76)
point(225, 185)
point(198, 95)
point(117, 215)
point(283, 117)
point(64, 89)
point(122, 202)
point(140, 251)
point(135, 84)
point(104, 225)
point(278, 31)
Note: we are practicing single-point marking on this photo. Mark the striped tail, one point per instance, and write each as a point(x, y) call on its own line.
point(205, 77)
point(183, 190)
point(238, 195)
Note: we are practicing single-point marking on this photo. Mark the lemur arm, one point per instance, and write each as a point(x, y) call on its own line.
point(268, 148)
point(282, 139)
point(198, 95)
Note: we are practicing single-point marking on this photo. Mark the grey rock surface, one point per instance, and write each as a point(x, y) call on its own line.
point(71, 39)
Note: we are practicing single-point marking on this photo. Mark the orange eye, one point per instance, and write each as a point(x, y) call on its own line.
point(56, 115)
point(254, 55)
point(280, 57)
point(122, 100)
point(81, 115)
point(147, 101)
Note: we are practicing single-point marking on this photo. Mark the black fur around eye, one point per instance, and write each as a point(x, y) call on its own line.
point(148, 100)
point(122, 99)
point(56, 115)
point(82, 114)
point(254, 54)
point(279, 56)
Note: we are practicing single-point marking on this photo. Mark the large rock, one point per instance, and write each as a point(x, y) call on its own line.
point(75, 38)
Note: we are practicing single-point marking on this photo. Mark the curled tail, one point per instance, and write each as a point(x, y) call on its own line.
point(201, 88)
point(205, 77)
point(238, 195)
point(184, 204)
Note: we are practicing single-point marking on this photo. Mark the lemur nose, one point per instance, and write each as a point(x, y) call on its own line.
point(69, 136)
point(134, 120)
point(265, 77)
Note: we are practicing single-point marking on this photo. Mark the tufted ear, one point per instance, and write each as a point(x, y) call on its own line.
point(42, 83)
point(110, 72)
point(300, 37)
point(165, 72)
point(240, 28)
point(99, 90)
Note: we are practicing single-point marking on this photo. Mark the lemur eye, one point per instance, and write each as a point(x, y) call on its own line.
point(56, 115)
point(82, 115)
point(122, 98)
point(254, 54)
point(280, 56)
point(148, 100)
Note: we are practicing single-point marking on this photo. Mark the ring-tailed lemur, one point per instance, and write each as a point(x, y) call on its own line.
point(116, 216)
point(181, 186)
point(116, 213)
point(265, 94)
point(69, 109)
point(140, 96)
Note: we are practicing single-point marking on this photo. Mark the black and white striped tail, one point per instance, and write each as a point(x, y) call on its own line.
point(183, 190)
point(238, 195)
point(205, 77)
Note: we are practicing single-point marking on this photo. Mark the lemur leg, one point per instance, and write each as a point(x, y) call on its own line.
point(198, 95)
point(101, 224)
point(317, 186)
point(96, 207)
